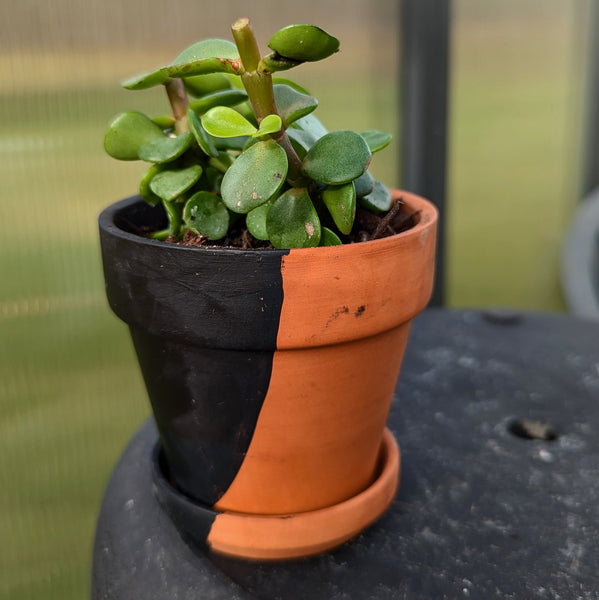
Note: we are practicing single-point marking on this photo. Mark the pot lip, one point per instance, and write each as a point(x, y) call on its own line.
point(429, 215)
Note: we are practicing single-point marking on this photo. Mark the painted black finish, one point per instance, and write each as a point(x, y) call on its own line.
point(481, 512)
point(191, 519)
point(215, 298)
point(204, 323)
point(206, 403)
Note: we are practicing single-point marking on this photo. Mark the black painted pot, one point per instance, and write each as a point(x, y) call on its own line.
point(271, 372)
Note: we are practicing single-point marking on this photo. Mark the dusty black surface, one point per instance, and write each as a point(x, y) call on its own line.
point(498, 420)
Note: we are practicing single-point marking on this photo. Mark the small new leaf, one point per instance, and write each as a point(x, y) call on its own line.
point(224, 122)
point(270, 124)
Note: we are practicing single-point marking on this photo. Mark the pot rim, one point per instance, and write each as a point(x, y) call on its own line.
point(428, 213)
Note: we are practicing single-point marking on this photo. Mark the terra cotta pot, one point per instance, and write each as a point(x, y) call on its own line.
point(271, 372)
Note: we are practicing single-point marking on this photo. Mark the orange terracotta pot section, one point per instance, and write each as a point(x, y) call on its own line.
point(343, 330)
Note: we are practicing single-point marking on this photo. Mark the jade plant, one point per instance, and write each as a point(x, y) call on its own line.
point(242, 149)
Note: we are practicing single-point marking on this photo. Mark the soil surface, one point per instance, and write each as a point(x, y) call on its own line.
point(367, 226)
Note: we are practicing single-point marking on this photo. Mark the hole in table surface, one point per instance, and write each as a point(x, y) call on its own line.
point(530, 429)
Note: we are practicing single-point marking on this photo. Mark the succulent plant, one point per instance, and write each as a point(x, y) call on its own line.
point(243, 148)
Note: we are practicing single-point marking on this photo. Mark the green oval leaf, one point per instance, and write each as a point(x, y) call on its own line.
point(255, 177)
point(270, 124)
point(292, 221)
point(200, 85)
point(128, 132)
point(256, 221)
point(164, 121)
point(224, 122)
point(221, 98)
point(170, 183)
point(210, 48)
point(341, 203)
point(364, 184)
point(165, 149)
point(329, 238)
point(291, 104)
point(338, 157)
point(144, 185)
point(376, 140)
point(303, 43)
point(146, 80)
point(206, 215)
point(206, 56)
point(379, 200)
point(204, 141)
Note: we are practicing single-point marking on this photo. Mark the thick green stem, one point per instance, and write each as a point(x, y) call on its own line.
point(177, 97)
point(258, 85)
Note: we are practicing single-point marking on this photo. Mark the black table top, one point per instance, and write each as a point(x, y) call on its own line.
point(497, 416)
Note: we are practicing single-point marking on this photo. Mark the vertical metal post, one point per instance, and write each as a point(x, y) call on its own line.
point(424, 78)
point(590, 154)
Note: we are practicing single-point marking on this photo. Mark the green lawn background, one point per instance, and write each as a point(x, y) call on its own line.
point(70, 391)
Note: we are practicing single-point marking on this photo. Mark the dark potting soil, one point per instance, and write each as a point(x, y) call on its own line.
point(367, 226)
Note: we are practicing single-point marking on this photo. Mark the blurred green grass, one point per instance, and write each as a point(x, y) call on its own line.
point(70, 390)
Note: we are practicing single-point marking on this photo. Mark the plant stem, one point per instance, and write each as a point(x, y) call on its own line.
point(175, 90)
point(258, 85)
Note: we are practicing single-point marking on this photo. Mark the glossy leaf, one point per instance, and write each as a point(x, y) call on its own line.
point(164, 121)
point(379, 200)
point(165, 149)
point(210, 48)
point(364, 184)
point(341, 203)
point(144, 185)
point(256, 221)
point(255, 177)
point(146, 80)
point(338, 157)
point(329, 238)
point(293, 105)
point(170, 183)
point(204, 141)
point(200, 85)
point(270, 124)
point(292, 221)
point(206, 56)
point(376, 140)
point(303, 43)
point(128, 132)
point(224, 122)
point(219, 98)
point(206, 215)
